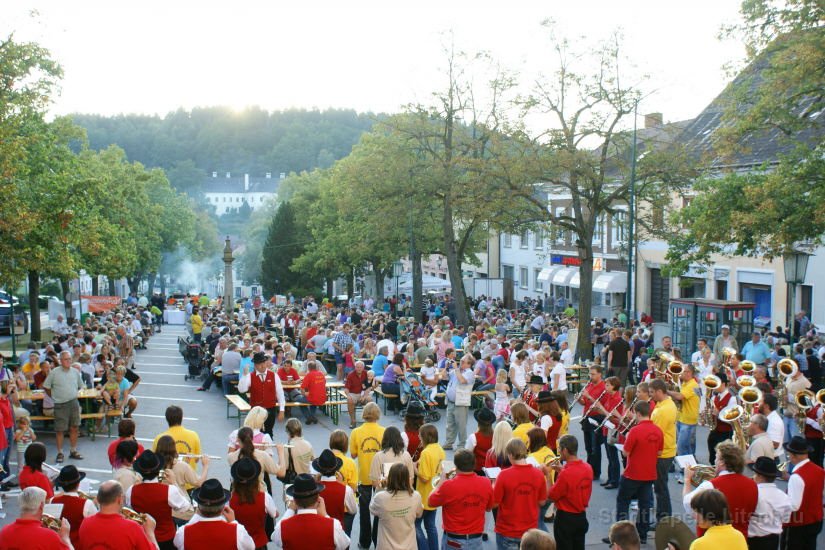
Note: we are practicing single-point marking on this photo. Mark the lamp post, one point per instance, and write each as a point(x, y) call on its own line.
point(796, 264)
point(631, 211)
point(228, 299)
point(397, 271)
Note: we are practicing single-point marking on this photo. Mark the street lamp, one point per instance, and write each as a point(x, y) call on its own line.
point(438, 263)
point(397, 271)
point(796, 264)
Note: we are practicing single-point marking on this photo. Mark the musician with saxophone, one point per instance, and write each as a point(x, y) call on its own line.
point(29, 528)
point(688, 395)
point(793, 384)
point(109, 529)
point(592, 393)
point(719, 430)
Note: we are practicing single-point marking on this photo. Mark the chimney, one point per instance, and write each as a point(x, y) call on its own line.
point(227, 175)
point(246, 182)
point(653, 120)
point(283, 175)
point(269, 175)
point(214, 174)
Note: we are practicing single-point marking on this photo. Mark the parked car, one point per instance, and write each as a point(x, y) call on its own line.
point(43, 301)
point(21, 319)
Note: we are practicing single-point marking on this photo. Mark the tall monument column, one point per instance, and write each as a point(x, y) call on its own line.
point(228, 285)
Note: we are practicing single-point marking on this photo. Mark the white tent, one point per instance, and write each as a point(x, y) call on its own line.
point(428, 283)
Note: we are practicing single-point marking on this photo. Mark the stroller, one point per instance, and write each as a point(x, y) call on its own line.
point(198, 361)
point(413, 387)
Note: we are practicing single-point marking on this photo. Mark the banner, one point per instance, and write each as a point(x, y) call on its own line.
point(102, 304)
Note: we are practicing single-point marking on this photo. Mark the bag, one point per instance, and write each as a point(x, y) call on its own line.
point(289, 476)
point(463, 395)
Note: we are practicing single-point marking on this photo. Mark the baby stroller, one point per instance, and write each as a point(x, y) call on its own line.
point(197, 360)
point(413, 387)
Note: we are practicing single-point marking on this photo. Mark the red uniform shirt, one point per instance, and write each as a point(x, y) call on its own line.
point(112, 450)
point(644, 442)
point(483, 444)
point(112, 531)
point(810, 431)
point(517, 492)
point(31, 478)
point(315, 384)
point(356, 383)
point(29, 534)
point(742, 495)
point(262, 392)
point(289, 375)
point(611, 401)
point(413, 442)
point(73, 512)
point(334, 494)
point(153, 499)
point(573, 487)
point(594, 391)
point(464, 501)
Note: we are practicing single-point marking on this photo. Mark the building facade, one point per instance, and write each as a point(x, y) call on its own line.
point(230, 193)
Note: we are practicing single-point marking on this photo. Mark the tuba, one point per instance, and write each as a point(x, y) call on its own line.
point(733, 414)
point(804, 400)
point(750, 396)
point(710, 383)
point(51, 522)
point(747, 366)
point(785, 369)
point(700, 473)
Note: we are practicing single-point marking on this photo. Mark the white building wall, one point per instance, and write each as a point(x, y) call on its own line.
point(520, 256)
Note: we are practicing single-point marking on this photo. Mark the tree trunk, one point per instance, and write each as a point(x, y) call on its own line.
point(453, 265)
point(162, 284)
point(34, 305)
point(95, 285)
point(417, 286)
point(112, 289)
point(379, 283)
point(583, 347)
point(329, 288)
point(350, 283)
point(134, 282)
point(151, 284)
point(67, 303)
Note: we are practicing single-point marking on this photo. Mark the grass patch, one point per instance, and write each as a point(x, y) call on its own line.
point(23, 340)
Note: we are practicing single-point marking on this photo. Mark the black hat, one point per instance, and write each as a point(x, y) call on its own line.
point(484, 416)
point(415, 410)
point(536, 379)
point(246, 470)
point(545, 397)
point(327, 464)
point(798, 446)
point(259, 357)
point(68, 476)
point(211, 493)
point(148, 464)
point(304, 486)
point(764, 466)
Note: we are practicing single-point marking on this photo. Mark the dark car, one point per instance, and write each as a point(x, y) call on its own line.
point(21, 319)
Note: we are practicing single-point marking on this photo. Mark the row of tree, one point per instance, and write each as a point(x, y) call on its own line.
point(66, 207)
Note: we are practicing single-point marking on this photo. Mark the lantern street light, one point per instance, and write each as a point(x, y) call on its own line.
point(796, 265)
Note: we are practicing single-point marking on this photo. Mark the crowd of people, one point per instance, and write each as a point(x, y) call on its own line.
point(514, 371)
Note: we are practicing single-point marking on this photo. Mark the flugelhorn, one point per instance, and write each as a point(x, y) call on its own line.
point(51, 522)
point(700, 473)
point(131, 515)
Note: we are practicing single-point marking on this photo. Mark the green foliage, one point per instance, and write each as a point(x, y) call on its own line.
point(284, 243)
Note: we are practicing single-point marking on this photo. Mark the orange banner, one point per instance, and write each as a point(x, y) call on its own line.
point(102, 304)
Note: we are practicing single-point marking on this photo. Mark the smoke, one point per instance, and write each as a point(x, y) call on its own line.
point(190, 276)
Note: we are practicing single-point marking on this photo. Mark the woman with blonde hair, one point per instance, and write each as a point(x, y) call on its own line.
point(497, 455)
point(247, 450)
point(255, 419)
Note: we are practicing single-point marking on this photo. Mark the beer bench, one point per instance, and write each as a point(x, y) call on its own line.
point(240, 405)
point(88, 418)
point(387, 398)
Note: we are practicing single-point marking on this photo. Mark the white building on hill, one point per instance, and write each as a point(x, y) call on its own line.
point(230, 193)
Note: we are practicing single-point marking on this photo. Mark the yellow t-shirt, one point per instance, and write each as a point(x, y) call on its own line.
point(720, 536)
point(565, 422)
point(348, 470)
point(29, 369)
point(521, 431)
point(543, 457)
point(197, 323)
point(690, 403)
point(186, 442)
point(429, 466)
point(364, 442)
point(664, 416)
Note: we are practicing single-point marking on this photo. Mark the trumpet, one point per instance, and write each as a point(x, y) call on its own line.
point(700, 473)
point(131, 515)
point(189, 455)
point(733, 414)
point(51, 522)
point(449, 475)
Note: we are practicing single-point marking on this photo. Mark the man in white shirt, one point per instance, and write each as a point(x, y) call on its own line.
point(566, 355)
point(537, 325)
point(211, 499)
point(772, 509)
point(805, 488)
point(60, 327)
point(776, 425)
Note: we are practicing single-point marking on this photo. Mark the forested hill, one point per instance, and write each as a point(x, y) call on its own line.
point(191, 144)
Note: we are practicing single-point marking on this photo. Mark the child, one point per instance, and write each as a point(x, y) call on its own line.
point(502, 404)
point(24, 436)
point(428, 375)
point(349, 359)
point(111, 391)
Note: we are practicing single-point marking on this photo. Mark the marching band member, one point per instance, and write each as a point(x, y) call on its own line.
point(306, 523)
point(740, 491)
point(571, 495)
point(395, 511)
point(256, 419)
point(611, 407)
point(719, 430)
point(29, 529)
point(529, 396)
point(214, 525)
point(772, 509)
point(251, 505)
point(109, 529)
point(265, 390)
point(805, 488)
point(593, 391)
point(776, 428)
point(644, 442)
point(688, 396)
point(761, 444)
point(517, 493)
point(365, 442)
point(427, 467)
point(813, 433)
point(127, 451)
point(339, 444)
point(713, 519)
point(793, 384)
point(75, 507)
point(664, 416)
point(185, 476)
point(247, 450)
point(187, 441)
point(550, 418)
point(155, 498)
point(32, 474)
point(541, 456)
point(125, 430)
point(339, 498)
point(521, 417)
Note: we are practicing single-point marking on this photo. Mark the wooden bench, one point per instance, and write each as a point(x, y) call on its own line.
point(330, 408)
point(387, 397)
point(240, 405)
point(88, 418)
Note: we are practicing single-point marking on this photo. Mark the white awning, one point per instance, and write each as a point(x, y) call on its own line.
point(546, 274)
point(562, 276)
point(614, 281)
point(575, 280)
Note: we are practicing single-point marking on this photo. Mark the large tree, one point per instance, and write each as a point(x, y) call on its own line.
point(283, 245)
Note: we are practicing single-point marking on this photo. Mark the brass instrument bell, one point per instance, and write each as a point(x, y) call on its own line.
point(700, 473)
point(51, 522)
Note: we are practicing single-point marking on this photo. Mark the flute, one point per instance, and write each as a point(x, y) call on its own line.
point(189, 455)
point(271, 445)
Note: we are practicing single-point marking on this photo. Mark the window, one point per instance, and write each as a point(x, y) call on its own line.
point(658, 218)
point(598, 230)
point(619, 228)
point(537, 285)
point(524, 239)
point(524, 277)
point(539, 242)
point(224, 199)
point(560, 237)
point(507, 272)
point(508, 240)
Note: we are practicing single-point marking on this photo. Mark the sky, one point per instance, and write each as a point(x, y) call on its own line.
point(366, 55)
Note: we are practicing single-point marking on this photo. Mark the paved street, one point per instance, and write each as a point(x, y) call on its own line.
point(162, 369)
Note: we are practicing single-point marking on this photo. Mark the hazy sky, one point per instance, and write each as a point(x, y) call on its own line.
point(363, 55)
